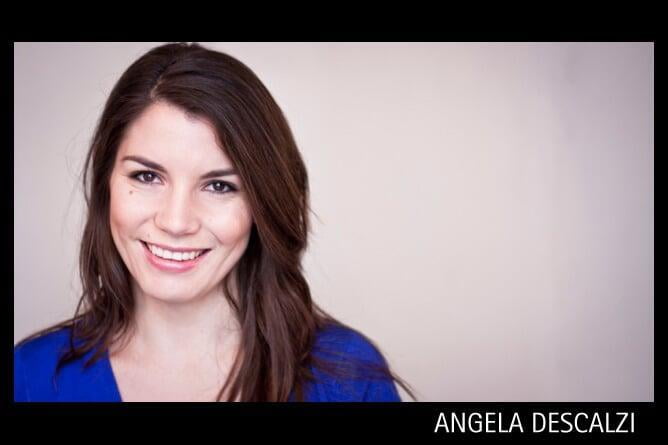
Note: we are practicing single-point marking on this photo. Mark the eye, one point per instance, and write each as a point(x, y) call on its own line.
point(221, 187)
point(144, 176)
point(149, 177)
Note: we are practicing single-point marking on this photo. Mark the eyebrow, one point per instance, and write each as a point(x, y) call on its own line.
point(160, 168)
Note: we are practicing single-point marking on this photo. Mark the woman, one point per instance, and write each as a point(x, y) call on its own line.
point(191, 255)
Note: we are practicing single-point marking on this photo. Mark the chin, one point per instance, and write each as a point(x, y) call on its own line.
point(170, 294)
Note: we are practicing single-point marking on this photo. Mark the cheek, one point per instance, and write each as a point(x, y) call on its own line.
point(231, 225)
point(126, 209)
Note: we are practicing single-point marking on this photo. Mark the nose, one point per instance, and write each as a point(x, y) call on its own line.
point(177, 215)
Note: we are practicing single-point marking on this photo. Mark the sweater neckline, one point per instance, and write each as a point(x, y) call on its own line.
point(109, 371)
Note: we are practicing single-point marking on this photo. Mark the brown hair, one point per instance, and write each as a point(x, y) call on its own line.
point(277, 315)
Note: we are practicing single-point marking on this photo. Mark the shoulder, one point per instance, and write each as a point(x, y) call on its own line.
point(361, 372)
point(42, 347)
point(38, 379)
point(342, 341)
point(35, 362)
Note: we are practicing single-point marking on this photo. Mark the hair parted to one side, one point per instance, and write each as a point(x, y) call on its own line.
point(273, 303)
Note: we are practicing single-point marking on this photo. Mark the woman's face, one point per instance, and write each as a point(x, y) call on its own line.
point(173, 189)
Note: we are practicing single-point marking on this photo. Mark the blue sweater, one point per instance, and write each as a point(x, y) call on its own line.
point(35, 364)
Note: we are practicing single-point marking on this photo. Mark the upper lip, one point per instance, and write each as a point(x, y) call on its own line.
point(175, 249)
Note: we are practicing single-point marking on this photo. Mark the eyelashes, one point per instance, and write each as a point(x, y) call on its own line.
point(137, 175)
point(148, 177)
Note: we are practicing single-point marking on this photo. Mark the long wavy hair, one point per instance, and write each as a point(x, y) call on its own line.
point(272, 302)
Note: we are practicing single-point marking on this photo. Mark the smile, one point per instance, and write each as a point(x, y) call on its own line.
point(171, 261)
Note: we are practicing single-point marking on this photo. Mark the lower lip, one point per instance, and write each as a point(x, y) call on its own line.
point(172, 265)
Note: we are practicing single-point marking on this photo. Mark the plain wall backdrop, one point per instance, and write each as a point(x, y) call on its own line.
point(485, 210)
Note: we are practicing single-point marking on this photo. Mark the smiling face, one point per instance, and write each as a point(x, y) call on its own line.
point(171, 187)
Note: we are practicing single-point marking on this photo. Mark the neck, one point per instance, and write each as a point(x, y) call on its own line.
point(195, 331)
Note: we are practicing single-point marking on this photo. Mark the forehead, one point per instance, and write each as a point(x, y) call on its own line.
point(166, 133)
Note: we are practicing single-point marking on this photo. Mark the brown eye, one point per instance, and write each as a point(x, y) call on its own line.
point(145, 176)
point(221, 187)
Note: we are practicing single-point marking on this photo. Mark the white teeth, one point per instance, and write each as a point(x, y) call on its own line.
point(176, 256)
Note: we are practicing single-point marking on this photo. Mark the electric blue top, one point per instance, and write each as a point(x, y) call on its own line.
point(35, 364)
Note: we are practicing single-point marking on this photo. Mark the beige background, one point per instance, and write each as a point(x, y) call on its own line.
point(486, 210)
